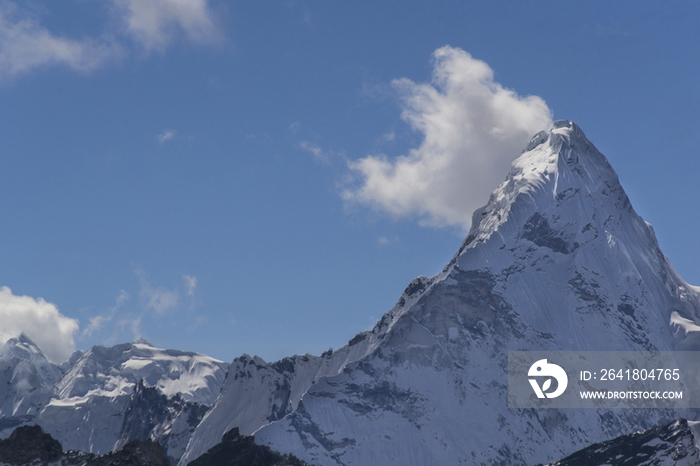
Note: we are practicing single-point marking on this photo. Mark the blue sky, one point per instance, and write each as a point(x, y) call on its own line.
point(252, 177)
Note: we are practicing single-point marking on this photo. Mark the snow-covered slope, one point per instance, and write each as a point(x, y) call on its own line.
point(26, 378)
point(114, 371)
point(557, 259)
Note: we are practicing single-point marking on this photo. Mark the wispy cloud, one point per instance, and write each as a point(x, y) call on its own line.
point(321, 156)
point(26, 45)
point(99, 321)
point(134, 325)
point(155, 24)
point(384, 241)
point(157, 299)
point(152, 25)
point(388, 137)
point(40, 320)
point(472, 129)
point(166, 135)
point(190, 284)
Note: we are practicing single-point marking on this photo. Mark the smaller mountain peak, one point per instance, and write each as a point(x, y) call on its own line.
point(22, 342)
point(142, 341)
point(24, 338)
point(563, 124)
point(559, 131)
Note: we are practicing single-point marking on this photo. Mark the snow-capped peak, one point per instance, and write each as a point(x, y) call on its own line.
point(556, 164)
point(114, 371)
point(142, 341)
point(23, 348)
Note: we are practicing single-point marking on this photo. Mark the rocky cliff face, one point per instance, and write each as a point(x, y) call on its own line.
point(170, 421)
point(673, 443)
point(557, 260)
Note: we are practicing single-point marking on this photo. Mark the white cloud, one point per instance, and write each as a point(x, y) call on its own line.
point(40, 320)
point(472, 129)
point(25, 45)
point(166, 135)
point(315, 150)
point(157, 23)
point(190, 284)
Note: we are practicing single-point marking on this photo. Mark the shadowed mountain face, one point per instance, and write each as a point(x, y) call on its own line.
point(557, 260)
point(170, 421)
point(673, 443)
point(241, 450)
point(29, 445)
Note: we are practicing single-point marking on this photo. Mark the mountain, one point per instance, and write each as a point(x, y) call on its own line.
point(674, 443)
point(26, 377)
point(106, 397)
point(557, 260)
point(93, 397)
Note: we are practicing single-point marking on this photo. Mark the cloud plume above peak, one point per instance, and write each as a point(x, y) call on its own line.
point(472, 129)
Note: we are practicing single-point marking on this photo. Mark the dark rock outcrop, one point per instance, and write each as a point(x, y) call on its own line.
point(30, 445)
point(241, 450)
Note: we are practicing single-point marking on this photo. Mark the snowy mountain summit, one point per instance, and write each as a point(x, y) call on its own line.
point(26, 377)
point(557, 260)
